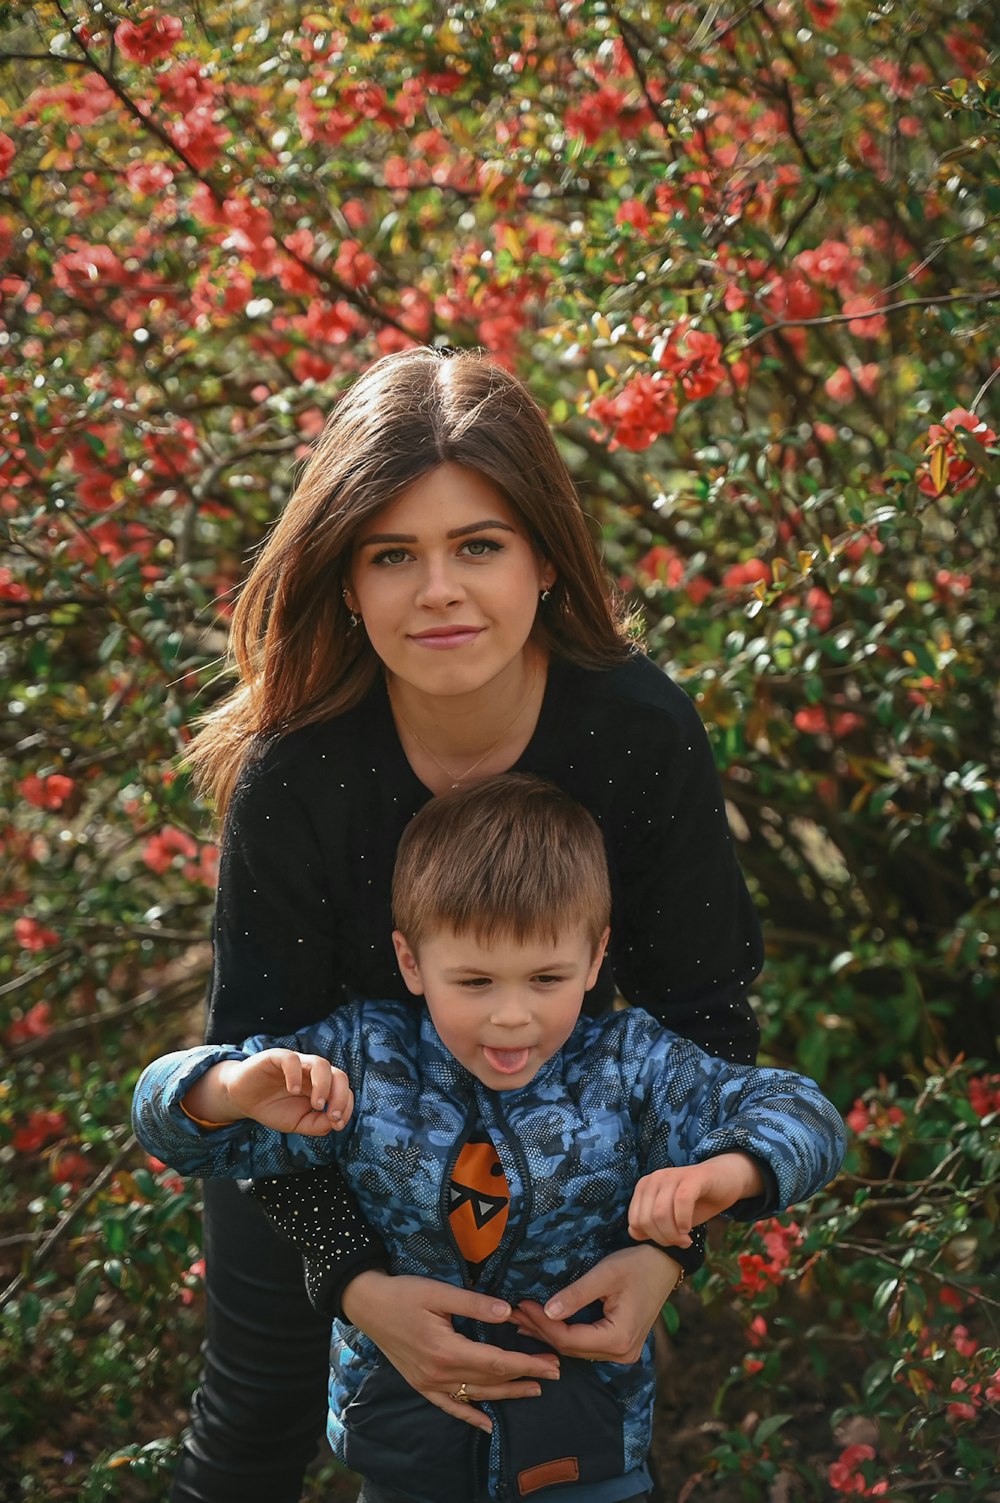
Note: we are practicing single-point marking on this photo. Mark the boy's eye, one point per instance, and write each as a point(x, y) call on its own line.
point(546, 980)
point(475, 983)
point(480, 547)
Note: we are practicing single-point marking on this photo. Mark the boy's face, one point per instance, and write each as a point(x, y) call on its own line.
point(502, 1011)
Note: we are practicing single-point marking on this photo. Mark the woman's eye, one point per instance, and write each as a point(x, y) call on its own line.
point(391, 556)
point(480, 547)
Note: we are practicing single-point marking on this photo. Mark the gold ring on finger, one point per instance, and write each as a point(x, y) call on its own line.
point(460, 1395)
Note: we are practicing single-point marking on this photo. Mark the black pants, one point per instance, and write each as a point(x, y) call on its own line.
point(258, 1418)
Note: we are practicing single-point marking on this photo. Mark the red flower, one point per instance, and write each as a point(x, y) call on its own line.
point(823, 12)
point(70, 1168)
point(644, 409)
point(149, 40)
point(192, 1281)
point(737, 576)
point(845, 1477)
point(50, 792)
point(34, 1025)
point(984, 1094)
point(866, 322)
point(11, 588)
point(31, 935)
point(40, 1128)
point(7, 150)
point(946, 470)
point(820, 607)
point(159, 851)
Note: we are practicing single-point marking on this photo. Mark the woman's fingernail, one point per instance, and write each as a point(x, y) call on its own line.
point(499, 1308)
point(535, 1393)
point(553, 1309)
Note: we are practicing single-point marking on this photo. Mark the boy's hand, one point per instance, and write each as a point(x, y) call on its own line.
point(667, 1204)
point(279, 1088)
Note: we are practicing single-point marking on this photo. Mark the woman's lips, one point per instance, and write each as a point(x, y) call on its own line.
point(449, 636)
point(506, 1061)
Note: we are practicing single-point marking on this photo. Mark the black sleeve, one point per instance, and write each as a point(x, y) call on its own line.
point(686, 940)
point(274, 965)
point(275, 970)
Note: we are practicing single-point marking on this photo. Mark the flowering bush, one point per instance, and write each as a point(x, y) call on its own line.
point(742, 254)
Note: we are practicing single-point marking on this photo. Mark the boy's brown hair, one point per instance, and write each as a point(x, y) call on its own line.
point(512, 858)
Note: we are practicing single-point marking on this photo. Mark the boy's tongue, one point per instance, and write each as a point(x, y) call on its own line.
point(506, 1061)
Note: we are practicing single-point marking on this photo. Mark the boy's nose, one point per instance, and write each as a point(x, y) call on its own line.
point(511, 1011)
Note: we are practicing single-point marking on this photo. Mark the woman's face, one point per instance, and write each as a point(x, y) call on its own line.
point(447, 583)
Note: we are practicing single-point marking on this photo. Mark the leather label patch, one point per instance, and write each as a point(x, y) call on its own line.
point(548, 1474)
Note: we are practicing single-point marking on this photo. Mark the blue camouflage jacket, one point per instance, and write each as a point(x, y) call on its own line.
point(623, 1097)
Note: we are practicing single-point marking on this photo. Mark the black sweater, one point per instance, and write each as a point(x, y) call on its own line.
point(303, 916)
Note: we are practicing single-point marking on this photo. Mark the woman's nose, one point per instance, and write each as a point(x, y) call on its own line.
point(438, 585)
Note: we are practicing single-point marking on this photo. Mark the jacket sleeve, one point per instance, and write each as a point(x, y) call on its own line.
point(243, 1149)
point(686, 940)
point(689, 1107)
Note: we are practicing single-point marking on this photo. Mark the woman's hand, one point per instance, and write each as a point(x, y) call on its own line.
point(633, 1286)
point(410, 1321)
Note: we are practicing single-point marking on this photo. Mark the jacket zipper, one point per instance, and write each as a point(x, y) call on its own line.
point(513, 1144)
point(443, 1210)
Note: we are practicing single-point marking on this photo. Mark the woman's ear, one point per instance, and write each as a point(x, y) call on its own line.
point(407, 961)
point(598, 960)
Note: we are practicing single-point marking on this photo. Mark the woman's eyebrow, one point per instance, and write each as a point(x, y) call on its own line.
point(454, 532)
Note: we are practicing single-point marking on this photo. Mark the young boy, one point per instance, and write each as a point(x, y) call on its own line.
point(496, 1138)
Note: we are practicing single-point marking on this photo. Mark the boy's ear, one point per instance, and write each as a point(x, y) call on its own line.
point(407, 962)
point(598, 961)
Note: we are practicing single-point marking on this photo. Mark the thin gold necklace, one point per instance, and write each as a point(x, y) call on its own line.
point(457, 781)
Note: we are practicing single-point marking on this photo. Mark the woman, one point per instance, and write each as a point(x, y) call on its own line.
point(431, 610)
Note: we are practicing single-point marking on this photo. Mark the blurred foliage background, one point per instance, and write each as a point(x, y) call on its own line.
point(745, 255)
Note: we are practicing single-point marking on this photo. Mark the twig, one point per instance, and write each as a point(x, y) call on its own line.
point(174, 995)
point(66, 1220)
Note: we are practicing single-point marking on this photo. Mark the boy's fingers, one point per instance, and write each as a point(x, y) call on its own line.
point(291, 1069)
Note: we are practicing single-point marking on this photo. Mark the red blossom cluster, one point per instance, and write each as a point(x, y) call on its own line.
point(149, 40)
point(759, 1271)
point(609, 108)
point(36, 1023)
point(984, 1094)
point(664, 565)
point(946, 470)
point(50, 792)
point(645, 408)
point(32, 935)
point(80, 102)
point(816, 720)
point(845, 1475)
point(41, 1128)
point(192, 1282)
point(200, 863)
point(872, 1119)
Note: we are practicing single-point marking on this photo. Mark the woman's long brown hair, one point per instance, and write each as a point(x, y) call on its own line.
point(297, 657)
